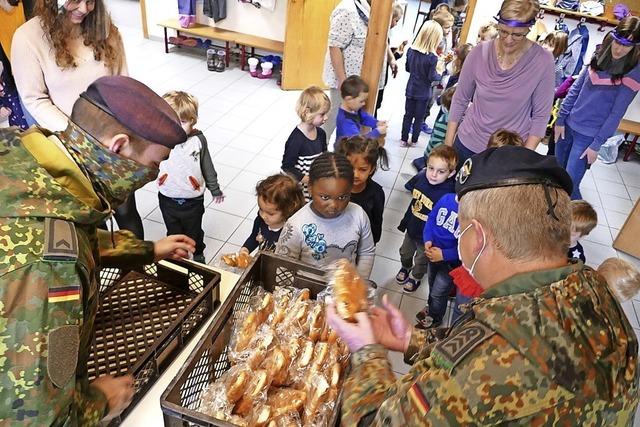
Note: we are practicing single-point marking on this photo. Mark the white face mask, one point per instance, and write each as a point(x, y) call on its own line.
point(484, 244)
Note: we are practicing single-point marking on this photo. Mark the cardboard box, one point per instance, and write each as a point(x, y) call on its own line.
point(628, 239)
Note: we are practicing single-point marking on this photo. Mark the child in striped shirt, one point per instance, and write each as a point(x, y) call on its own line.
point(308, 140)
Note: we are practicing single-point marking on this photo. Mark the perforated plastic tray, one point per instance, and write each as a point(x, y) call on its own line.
point(181, 400)
point(146, 317)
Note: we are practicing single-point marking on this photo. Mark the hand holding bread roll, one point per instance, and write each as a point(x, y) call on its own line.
point(349, 291)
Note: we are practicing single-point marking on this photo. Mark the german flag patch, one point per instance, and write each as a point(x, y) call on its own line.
point(419, 400)
point(67, 293)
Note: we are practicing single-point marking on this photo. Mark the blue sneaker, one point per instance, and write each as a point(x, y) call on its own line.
point(411, 285)
point(402, 276)
point(426, 129)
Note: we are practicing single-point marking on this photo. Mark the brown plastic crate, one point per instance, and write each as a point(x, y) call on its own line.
point(181, 400)
point(146, 317)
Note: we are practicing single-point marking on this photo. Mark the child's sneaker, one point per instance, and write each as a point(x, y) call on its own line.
point(426, 129)
point(402, 276)
point(422, 314)
point(411, 285)
point(427, 323)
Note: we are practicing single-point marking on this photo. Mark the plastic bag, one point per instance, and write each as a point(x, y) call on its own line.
point(609, 150)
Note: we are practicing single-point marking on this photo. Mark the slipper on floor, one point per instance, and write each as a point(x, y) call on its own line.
point(190, 42)
point(178, 40)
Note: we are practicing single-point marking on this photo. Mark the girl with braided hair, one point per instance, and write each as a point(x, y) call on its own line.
point(329, 227)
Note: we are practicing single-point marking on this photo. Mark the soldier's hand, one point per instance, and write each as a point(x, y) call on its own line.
point(355, 335)
point(390, 327)
point(118, 392)
point(176, 247)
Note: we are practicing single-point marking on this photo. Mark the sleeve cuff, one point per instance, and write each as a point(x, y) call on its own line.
point(417, 342)
point(561, 121)
point(366, 353)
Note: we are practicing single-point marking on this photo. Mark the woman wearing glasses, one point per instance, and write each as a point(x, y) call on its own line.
point(598, 100)
point(510, 81)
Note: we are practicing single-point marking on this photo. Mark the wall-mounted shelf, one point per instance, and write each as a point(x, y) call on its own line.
point(602, 20)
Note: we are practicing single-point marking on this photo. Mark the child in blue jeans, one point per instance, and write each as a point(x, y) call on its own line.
point(440, 235)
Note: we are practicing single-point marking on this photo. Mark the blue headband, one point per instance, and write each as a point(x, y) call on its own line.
point(513, 22)
point(624, 41)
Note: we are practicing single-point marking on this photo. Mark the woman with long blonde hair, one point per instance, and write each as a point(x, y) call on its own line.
point(424, 67)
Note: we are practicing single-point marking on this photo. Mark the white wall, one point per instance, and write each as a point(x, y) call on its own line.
point(241, 17)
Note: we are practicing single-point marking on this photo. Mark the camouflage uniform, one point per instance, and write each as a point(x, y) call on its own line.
point(544, 348)
point(50, 252)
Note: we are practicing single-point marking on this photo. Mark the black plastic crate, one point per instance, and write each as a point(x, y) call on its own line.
point(145, 318)
point(181, 400)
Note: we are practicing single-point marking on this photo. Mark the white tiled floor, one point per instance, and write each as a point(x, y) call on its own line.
point(246, 122)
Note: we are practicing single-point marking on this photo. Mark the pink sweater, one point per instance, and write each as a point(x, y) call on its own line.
point(518, 99)
point(46, 90)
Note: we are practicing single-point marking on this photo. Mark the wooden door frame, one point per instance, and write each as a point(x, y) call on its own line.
point(375, 48)
point(471, 8)
point(143, 17)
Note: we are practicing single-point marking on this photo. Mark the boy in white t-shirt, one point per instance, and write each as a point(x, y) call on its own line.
point(184, 176)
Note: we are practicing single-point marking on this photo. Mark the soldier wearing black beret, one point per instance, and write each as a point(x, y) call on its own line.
point(546, 343)
point(55, 189)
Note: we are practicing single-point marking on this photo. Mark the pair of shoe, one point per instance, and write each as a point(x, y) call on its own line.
point(408, 283)
point(216, 60)
point(266, 68)
point(184, 41)
point(424, 320)
point(407, 144)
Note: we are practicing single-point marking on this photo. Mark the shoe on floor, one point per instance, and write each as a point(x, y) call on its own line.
point(411, 285)
point(422, 314)
point(426, 129)
point(402, 276)
point(404, 143)
point(199, 258)
point(427, 323)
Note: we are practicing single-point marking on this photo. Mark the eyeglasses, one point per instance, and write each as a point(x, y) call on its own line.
point(503, 34)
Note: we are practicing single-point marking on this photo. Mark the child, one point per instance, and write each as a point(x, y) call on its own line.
point(364, 154)
point(352, 116)
point(426, 189)
point(622, 278)
point(487, 32)
point(440, 237)
point(503, 137)
point(308, 140)
point(329, 227)
point(461, 53)
point(440, 125)
point(424, 68)
point(583, 219)
point(279, 197)
point(184, 175)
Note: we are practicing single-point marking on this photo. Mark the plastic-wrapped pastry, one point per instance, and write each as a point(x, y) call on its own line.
point(285, 400)
point(349, 291)
point(260, 416)
point(246, 331)
point(240, 260)
point(320, 354)
point(318, 391)
point(316, 322)
point(236, 380)
point(277, 364)
point(253, 394)
point(291, 419)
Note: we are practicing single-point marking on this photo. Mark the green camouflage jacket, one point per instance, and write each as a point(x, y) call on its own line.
point(545, 348)
point(50, 251)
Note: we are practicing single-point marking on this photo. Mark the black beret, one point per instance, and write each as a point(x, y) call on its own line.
point(508, 166)
point(138, 108)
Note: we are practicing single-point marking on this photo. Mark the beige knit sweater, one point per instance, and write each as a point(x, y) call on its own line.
point(46, 90)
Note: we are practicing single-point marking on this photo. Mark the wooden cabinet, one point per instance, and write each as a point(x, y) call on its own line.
point(305, 42)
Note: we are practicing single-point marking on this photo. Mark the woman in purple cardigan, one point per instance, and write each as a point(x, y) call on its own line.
point(598, 100)
point(505, 83)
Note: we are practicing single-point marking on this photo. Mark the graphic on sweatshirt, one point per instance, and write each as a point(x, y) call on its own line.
point(315, 241)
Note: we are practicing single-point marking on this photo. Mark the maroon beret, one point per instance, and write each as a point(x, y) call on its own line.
point(138, 108)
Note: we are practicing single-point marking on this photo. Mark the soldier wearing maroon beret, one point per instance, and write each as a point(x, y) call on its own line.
point(55, 189)
point(546, 343)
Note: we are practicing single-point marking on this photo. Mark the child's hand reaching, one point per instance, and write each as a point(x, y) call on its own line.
point(434, 254)
point(402, 46)
point(218, 199)
point(382, 127)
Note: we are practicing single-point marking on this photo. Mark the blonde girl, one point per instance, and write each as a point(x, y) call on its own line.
point(307, 141)
point(424, 67)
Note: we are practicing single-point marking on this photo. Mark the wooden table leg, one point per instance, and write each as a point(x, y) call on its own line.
point(631, 149)
point(243, 56)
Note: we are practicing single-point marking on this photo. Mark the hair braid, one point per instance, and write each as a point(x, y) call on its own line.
point(330, 165)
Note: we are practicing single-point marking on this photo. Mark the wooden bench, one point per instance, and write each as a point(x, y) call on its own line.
point(203, 31)
point(630, 128)
point(228, 36)
point(255, 42)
